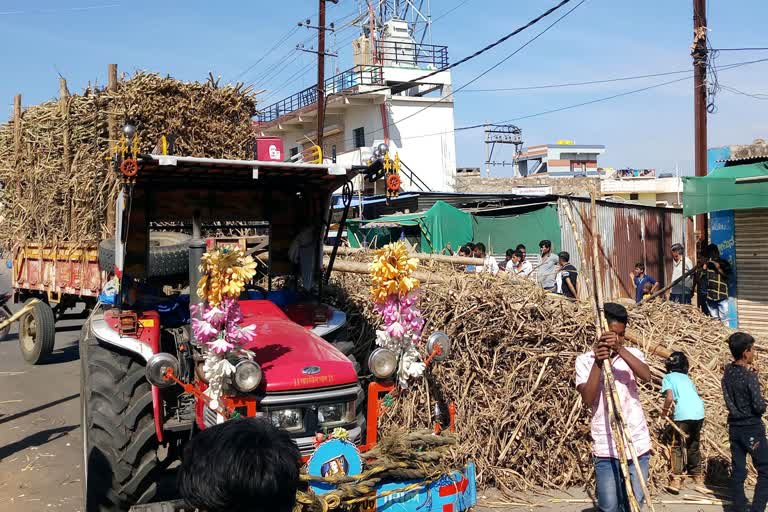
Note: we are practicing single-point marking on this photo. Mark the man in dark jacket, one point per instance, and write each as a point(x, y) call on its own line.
point(743, 397)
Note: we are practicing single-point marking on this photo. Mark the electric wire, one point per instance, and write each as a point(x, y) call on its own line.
point(478, 52)
point(488, 70)
point(274, 47)
point(449, 11)
point(575, 84)
point(569, 107)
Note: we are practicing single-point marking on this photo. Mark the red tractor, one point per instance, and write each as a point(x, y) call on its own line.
point(301, 376)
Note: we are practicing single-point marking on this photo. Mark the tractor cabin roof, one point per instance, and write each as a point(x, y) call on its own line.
point(191, 172)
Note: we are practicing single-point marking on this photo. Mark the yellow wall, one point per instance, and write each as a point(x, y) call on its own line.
point(646, 198)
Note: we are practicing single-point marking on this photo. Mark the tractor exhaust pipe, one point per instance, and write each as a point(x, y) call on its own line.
point(196, 251)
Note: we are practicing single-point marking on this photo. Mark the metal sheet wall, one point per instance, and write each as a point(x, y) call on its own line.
point(628, 234)
point(751, 268)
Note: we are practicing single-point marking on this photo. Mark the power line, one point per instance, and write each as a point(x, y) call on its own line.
point(598, 100)
point(271, 74)
point(60, 10)
point(268, 52)
point(574, 84)
point(488, 70)
point(739, 49)
point(449, 11)
point(757, 96)
point(478, 52)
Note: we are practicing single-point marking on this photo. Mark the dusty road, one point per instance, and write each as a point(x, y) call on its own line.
point(40, 440)
point(40, 443)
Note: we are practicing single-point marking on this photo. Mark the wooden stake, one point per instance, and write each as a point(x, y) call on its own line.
point(64, 106)
point(17, 126)
point(112, 139)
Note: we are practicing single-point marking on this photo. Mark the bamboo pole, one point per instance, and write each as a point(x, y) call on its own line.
point(608, 382)
point(669, 286)
point(456, 260)
point(611, 395)
point(363, 268)
point(579, 246)
point(20, 313)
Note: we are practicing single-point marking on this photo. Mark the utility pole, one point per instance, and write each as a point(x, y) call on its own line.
point(320, 73)
point(699, 53)
point(321, 28)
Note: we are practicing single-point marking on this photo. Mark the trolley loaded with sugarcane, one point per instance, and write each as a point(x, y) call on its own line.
point(252, 338)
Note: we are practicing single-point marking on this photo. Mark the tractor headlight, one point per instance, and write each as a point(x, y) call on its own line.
point(247, 375)
point(383, 363)
point(291, 420)
point(331, 415)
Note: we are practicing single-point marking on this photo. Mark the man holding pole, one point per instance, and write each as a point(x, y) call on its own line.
point(628, 365)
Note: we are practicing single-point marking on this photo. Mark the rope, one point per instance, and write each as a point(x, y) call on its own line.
point(416, 455)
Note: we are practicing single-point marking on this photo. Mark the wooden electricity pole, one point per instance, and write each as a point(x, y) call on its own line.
point(699, 53)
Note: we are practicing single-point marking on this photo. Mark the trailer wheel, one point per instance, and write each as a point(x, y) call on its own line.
point(5, 330)
point(168, 254)
point(123, 461)
point(37, 333)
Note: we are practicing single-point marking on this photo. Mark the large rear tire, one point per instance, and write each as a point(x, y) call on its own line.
point(123, 460)
point(37, 333)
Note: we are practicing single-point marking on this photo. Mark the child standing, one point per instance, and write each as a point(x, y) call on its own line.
point(679, 390)
point(746, 433)
point(647, 290)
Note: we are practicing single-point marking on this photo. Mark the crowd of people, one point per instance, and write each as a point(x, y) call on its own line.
point(707, 281)
point(554, 273)
point(682, 416)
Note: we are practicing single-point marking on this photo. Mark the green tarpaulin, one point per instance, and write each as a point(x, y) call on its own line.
point(440, 225)
point(502, 233)
point(726, 189)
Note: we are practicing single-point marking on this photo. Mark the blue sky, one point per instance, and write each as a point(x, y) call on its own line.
point(602, 39)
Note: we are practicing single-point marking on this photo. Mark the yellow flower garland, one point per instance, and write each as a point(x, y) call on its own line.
point(224, 274)
point(391, 270)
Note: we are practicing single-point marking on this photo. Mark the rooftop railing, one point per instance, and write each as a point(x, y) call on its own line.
point(359, 75)
point(409, 54)
point(388, 53)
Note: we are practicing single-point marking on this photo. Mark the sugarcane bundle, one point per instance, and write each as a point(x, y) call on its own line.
point(54, 158)
point(511, 374)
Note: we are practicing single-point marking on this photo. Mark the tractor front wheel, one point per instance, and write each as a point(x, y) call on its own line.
point(124, 463)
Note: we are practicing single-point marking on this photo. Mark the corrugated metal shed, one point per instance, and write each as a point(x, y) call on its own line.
point(628, 234)
point(751, 269)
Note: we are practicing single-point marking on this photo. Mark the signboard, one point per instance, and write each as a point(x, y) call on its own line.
point(722, 232)
point(532, 191)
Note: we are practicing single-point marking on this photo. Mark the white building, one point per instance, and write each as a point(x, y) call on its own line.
point(380, 99)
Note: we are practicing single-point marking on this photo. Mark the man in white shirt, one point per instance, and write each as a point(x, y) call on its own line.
point(680, 292)
point(629, 368)
point(518, 266)
point(490, 266)
point(547, 270)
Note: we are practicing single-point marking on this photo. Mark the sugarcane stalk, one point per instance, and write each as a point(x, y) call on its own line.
point(610, 387)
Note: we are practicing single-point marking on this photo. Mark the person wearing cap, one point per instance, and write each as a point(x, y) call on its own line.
point(680, 391)
point(629, 366)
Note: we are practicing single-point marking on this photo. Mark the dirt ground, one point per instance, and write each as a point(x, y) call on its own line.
point(40, 440)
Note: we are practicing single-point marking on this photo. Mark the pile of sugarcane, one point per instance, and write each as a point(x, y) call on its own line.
point(511, 374)
point(57, 179)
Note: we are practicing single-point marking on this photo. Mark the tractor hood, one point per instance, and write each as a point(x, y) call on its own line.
point(292, 357)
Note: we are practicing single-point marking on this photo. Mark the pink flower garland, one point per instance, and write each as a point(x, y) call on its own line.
point(401, 317)
point(219, 328)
